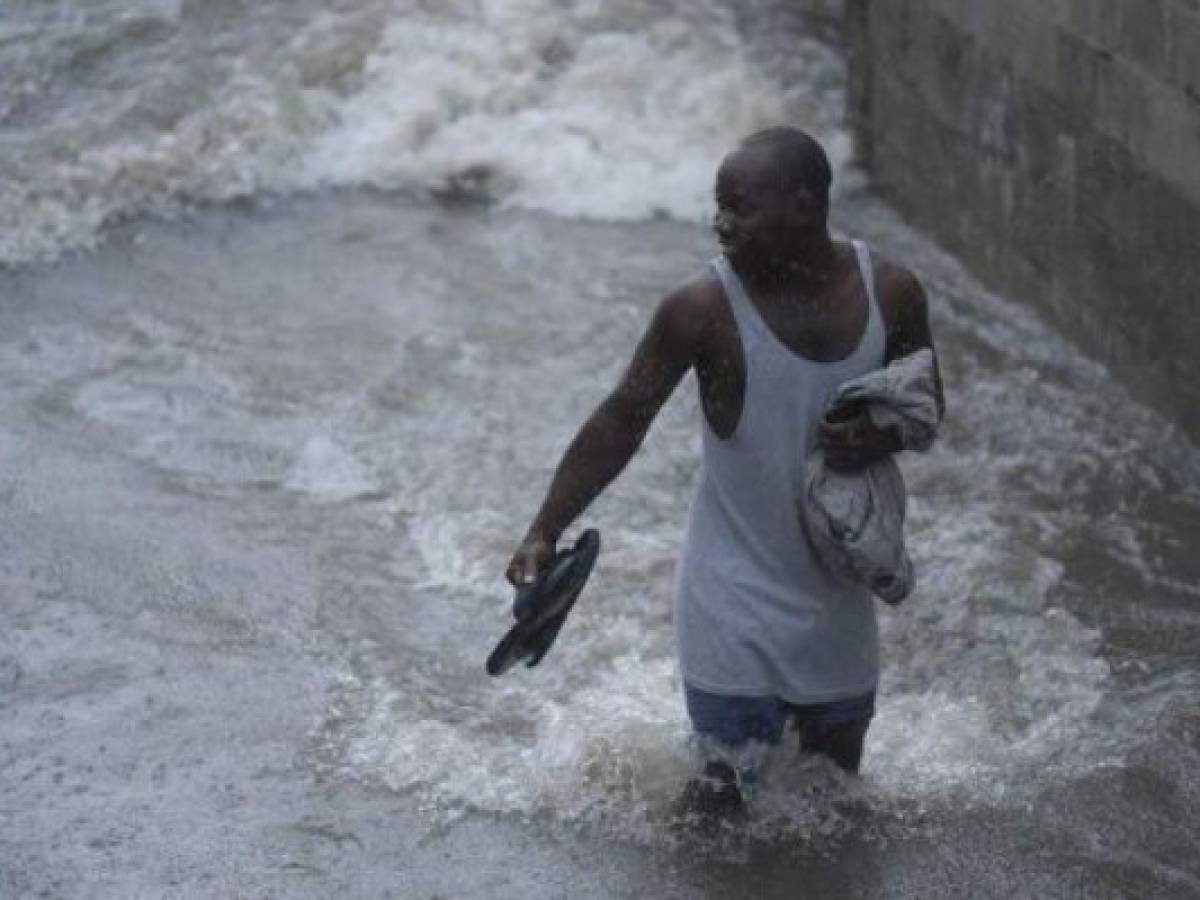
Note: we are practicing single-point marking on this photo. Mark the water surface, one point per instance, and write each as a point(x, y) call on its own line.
point(267, 462)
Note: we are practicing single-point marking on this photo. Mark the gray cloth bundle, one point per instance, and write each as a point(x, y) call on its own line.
point(855, 520)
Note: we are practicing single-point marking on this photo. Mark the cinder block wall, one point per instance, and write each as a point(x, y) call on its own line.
point(1054, 145)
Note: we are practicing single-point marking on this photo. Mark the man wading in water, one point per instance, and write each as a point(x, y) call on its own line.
point(772, 327)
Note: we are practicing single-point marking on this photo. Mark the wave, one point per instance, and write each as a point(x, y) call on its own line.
point(609, 111)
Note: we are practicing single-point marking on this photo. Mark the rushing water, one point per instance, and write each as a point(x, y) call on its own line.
point(612, 110)
point(335, 413)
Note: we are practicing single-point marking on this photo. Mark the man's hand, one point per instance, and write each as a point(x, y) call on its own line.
point(855, 443)
point(535, 553)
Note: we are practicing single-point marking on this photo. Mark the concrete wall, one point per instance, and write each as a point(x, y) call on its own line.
point(1054, 145)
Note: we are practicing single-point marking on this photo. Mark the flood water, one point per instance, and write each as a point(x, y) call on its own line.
point(302, 304)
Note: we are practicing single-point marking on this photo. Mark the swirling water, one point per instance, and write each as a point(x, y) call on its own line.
point(379, 383)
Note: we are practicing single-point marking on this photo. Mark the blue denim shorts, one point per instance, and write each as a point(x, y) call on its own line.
point(735, 721)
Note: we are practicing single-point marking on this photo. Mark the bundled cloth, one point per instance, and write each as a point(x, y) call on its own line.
point(855, 520)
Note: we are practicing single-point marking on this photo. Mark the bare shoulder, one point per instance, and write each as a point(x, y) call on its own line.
point(904, 306)
point(670, 346)
point(900, 291)
point(690, 309)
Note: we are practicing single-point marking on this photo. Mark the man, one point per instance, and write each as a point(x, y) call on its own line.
point(783, 317)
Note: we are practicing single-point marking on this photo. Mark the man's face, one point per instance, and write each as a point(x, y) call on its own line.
point(757, 222)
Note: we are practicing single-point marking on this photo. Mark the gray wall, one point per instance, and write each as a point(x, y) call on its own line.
point(1054, 145)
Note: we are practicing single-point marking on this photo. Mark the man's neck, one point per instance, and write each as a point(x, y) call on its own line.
point(804, 273)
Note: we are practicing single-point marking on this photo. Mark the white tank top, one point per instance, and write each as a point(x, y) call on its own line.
point(755, 612)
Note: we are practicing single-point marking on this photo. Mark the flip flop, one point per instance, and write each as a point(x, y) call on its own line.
point(541, 607)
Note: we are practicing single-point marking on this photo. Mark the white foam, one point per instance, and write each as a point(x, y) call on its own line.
point(597, 110)
point(328, 472)
point(618, 745)
point(555, 109)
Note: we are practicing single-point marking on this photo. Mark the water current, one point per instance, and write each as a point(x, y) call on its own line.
point(417, 244)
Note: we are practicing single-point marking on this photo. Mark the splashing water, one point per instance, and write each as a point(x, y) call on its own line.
point(384, 385)
point(611, 110)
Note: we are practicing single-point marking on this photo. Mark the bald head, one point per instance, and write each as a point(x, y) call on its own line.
point(792, 160)
point(772, 196)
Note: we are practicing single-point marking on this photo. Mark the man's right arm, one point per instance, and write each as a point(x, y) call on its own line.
point(607, 441)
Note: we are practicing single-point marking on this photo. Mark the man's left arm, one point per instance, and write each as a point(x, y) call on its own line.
point(856, 442)
point(909, 329)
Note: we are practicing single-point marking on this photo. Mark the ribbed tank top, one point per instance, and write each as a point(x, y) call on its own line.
point(755, 612)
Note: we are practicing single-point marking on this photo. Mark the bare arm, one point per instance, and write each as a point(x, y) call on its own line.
point(910, 329)
point(857, 442)
point(607, 441)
